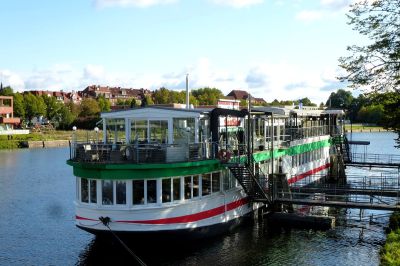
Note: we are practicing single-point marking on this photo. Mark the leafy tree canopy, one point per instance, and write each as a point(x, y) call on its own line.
point(207, 96)
point(341, 99)
point(7, 91)
point(376, 64)
point(89, 107)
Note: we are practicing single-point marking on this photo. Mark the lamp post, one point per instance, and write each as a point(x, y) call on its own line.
point(96, 129)
point(73, 150)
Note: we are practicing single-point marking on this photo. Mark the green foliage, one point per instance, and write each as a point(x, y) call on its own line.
point(52, 108)
point(19, 109)
point(66, 117)
point(162, 96)
point(307, 102)
point(7, 91)
point(376, 64)
point(341, 99)
point(104, 104)
point(89, 107)
point(371, 114)
point(207, 96)
point(34, 106)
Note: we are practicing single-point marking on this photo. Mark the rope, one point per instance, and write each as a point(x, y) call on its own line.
point(106, 221)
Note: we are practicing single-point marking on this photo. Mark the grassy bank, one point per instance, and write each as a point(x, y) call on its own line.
point(16, 141)
point(390, 253)
point(363, 128)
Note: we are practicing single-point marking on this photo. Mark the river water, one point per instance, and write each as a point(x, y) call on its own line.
point(37, 225)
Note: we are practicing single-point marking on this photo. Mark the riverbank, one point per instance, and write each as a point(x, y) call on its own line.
point(390, 253)
point(45, 139)
point(364, 128)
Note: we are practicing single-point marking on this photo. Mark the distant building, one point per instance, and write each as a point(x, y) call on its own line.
point(244, 95)
point(114, 94)
point(60, 96)
point(7, 120)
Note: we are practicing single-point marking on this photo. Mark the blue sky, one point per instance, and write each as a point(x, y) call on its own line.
point(275, 49)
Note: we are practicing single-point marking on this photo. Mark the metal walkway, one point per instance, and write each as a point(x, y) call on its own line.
point(380, 192)
point(373, 160)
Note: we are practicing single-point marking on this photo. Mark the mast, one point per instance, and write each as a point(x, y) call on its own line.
point(187, 92)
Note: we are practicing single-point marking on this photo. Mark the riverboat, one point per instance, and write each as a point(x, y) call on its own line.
point(195, 172)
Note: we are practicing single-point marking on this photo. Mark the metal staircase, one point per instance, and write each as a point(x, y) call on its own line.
point(249, 183)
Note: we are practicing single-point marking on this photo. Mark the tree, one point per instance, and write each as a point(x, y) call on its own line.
point(52, 107)
point(371, 114)
point(104, 104)
point(162, 96)
point(6, 91)
point(341, 99)
point(207, 96)
point(66, 117)
point(89, 107)
point(307, 102)
point(19, 109)
point(376, 64)
point(34, 106)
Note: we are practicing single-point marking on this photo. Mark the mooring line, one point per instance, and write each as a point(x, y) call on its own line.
point(106, 221)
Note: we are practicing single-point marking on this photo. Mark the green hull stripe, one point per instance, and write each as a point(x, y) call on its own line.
point(140, 171)
point(298, 149)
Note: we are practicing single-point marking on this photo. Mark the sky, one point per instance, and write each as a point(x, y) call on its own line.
point(274, 49)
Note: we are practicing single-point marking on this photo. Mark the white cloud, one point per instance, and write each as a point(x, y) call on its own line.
point(9, 78)
point(238, 3)
point(131, 3)
point(93, 72)
point(335, 4)
point(284, 81)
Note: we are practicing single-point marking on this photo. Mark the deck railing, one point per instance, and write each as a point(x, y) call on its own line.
point(140, 153)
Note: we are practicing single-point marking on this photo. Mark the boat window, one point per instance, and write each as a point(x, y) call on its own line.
point(121, 192)
point(216, 182)
point(176, 183)
point(139, 131)
point(206, 184)
point(84, 190)
point(184, 130)
point(107, 192)
point(195, 186)
point(188, 187)
point(225, 179)
point(166, 190)
point(93, 191)
point(151, 191)
point(115, 130)
point(138, 192)
point(159, 131)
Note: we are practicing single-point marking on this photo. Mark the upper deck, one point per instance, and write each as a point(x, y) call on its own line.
point(169, 135)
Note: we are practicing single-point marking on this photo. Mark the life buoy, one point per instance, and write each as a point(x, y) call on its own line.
point(224, 155)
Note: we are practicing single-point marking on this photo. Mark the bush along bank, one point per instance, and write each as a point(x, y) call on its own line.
point(390, 253)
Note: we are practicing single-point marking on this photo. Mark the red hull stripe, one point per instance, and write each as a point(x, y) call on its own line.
point(186, 218)
point(308, 173)
point(83, 218)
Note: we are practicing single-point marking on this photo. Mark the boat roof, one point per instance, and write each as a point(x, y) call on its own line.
point(302, 112)
point(154, 112)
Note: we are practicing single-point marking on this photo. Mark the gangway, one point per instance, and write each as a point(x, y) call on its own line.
point(359, 191)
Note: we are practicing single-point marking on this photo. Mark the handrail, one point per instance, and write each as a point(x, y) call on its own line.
point(140, 153)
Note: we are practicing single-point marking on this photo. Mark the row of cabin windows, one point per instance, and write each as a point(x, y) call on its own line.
point(145, 191)
point(307, 157)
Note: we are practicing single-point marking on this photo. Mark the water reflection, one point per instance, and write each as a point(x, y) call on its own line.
point(37, 190)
